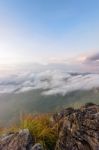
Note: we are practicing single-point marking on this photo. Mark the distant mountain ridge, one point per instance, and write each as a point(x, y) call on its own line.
point(11, 105)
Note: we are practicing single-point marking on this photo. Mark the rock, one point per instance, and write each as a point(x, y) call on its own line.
point(37, 146)
point(21, 140)
point(79, 129)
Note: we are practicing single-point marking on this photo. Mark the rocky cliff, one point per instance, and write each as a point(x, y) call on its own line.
point(78, 129)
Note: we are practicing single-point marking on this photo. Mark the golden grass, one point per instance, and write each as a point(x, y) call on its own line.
point(42, 129)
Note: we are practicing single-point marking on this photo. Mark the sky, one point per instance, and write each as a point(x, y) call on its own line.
point(49, 31)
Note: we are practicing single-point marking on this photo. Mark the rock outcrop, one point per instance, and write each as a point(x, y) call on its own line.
point(79, 129)
point(21, 140)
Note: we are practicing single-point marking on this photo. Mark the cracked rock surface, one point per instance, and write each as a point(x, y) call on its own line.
point(79, 129)
point(21, 140)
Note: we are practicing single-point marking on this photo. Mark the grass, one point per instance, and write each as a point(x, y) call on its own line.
point(42, 129)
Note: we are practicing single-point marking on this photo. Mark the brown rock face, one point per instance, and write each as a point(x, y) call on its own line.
point(79, 129)
point(21, 140)
point(17, 141)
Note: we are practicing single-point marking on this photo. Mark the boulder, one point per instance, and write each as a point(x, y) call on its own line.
point(79, 129)
point(21, 140)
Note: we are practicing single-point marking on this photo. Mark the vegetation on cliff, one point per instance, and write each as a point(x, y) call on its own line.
point(71, 129)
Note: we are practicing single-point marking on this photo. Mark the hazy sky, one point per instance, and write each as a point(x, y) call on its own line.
point(48, 30)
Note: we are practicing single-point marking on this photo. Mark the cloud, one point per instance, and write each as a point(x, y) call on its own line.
point(51, 82)
point(93, 59)
point(86, 62)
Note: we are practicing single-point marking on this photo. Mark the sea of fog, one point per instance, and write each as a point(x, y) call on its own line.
point(39, 90)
